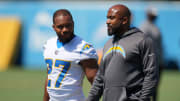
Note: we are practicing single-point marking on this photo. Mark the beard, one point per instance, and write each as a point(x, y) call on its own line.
point(113, 31)
point(62, 39)
point(110, 32)
point(66, 39)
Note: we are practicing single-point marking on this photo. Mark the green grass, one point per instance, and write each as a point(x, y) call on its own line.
point(22, 85)
point(28, 85)
point(170, 86)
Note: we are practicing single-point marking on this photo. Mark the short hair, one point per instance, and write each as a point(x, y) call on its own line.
point(63, 12)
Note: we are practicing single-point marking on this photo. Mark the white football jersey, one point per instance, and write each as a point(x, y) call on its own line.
point(65, 76)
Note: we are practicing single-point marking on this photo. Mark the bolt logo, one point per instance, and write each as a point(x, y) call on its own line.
point(118, 49)
point(86, 46)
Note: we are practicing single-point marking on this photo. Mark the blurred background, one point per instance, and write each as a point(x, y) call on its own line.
point(25, 25)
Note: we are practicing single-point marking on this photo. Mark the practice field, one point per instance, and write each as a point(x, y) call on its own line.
point(28, 85)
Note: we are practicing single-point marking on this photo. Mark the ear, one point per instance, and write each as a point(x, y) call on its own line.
point(125, 20)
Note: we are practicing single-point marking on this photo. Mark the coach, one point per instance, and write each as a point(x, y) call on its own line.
point(128, 70)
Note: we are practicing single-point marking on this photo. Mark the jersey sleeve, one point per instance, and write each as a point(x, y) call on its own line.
point(88, 52)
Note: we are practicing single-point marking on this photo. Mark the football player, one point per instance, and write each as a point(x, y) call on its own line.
point(69, 58)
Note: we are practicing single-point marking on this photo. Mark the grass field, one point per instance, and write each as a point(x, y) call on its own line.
point(28, 85)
